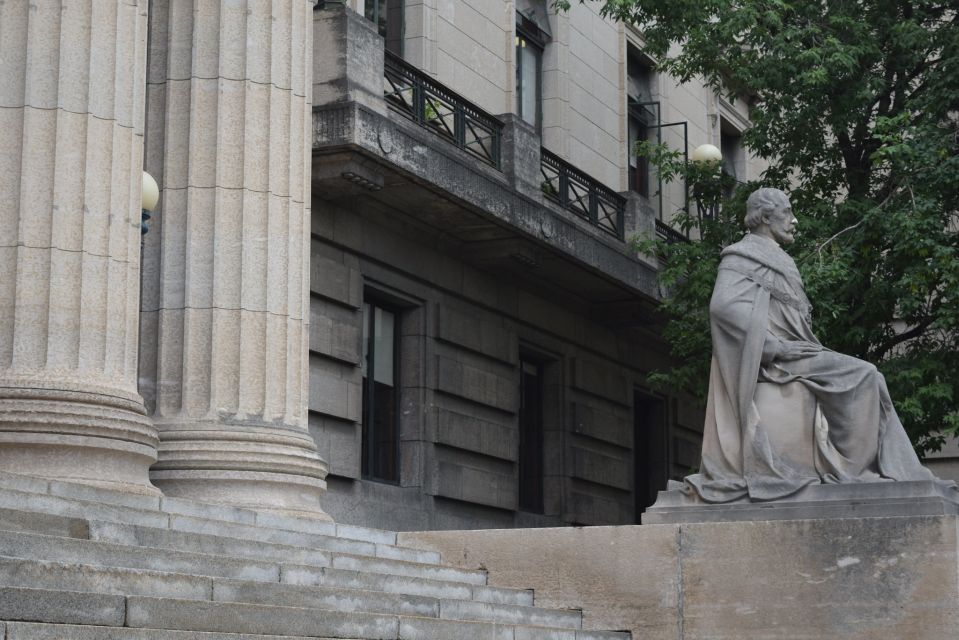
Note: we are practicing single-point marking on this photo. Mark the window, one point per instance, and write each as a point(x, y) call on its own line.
point(734, 160)
point(640, 115)
point(530, 40)
point(380, 437)
point(531, 436)
point(387, 15)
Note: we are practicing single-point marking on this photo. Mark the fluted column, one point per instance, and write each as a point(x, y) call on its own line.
point(71, 154)
point(226, 275)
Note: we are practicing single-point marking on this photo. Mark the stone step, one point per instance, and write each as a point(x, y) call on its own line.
point(103, 554)
point(427, 607)
point(300, 539)
point(144, 612)
point(72, 607)
point(511, 614)
point(18, 572)
point(159, 505)
point(248, 537)
point(41, 631)
point(408, 569)
point(133, 535)
point(11, 500)
point(32, 546)
point(223, 617)
point(42, 547)
point(38, 574)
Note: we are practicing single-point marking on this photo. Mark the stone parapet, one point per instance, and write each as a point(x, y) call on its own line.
point(71, 131)
point(521, 150)
point(226, 274)
point(348, 58)
point(851, 578)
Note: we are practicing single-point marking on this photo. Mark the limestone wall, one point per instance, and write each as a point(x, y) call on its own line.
point(462, 331)
point(856, 579)
point(469, 46)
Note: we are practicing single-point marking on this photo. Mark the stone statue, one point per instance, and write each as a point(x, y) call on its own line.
point(784, 411)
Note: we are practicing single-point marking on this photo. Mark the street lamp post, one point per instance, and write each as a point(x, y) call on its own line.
point(707, 201)
point(149, 196)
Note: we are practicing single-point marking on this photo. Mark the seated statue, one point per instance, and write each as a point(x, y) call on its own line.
point(784, 411)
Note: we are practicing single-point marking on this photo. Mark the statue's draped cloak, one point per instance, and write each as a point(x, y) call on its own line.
point(759, 302)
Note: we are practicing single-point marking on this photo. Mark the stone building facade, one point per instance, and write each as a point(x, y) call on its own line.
point(388, 281)
point(522, 330)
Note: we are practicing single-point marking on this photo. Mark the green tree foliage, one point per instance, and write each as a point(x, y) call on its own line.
point(854, 105)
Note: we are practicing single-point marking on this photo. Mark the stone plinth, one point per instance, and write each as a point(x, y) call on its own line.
point(224, 365)
point(71, 155)
point(861, 500)
point(854, 578)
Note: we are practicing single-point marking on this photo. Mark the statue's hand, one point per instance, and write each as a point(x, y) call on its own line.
point(796, 349)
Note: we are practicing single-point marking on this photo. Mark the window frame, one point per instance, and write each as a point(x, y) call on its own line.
point(530, 34)
point(368, 452)
point(531, 499)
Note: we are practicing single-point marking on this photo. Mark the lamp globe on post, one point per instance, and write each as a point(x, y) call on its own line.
point(149, 196)
point(707, 202)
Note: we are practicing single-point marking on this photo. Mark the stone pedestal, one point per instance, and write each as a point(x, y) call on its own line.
point(850, 578)
point(859, 500)
point(226, 272)
point(71, 154)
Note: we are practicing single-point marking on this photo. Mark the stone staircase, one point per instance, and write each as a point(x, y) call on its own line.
point(83, 563)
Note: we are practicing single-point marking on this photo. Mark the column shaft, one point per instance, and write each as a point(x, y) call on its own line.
point(72, 84)
point(226, 277)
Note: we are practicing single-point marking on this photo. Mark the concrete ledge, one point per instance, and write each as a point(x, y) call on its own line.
point(867, 500)
point(853, 578)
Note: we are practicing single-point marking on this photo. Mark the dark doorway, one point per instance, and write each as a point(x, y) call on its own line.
point(650, 448)
point(531, 436)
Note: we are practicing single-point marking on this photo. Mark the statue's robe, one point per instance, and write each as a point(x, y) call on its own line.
point(758, 303)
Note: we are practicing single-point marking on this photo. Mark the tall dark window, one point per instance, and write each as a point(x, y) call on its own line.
point(640, 115)
point(531, 436)
point(529, 70)
point(380, 424)
point(734, 160)
point(387, 15)
point(650, 449)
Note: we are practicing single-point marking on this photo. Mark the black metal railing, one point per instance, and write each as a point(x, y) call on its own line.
point(582, 194)
point(444, 112)
point(669, 234)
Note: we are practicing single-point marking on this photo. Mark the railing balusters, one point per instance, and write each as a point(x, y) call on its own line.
point(669, 234)
point(432, 105)
point(582, 194)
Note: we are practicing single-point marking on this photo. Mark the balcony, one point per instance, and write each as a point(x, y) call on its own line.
point(669, 234)
point(394, 144)
point(582, 195)
point(428, 103)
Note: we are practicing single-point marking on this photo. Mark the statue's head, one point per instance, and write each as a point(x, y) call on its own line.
point(769, 214)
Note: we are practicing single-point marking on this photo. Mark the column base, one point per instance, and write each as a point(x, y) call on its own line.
point(93, 444)
point(255, 467)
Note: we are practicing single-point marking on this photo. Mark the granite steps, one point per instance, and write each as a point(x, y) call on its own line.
point(77, 562)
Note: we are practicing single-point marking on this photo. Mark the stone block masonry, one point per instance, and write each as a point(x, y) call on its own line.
point(852, 578)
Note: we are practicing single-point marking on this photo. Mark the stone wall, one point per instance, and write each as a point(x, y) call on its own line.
point(462, 331)
point(856, 579)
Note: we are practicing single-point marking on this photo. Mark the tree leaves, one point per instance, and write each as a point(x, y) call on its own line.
point(854, 106)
